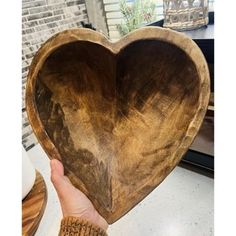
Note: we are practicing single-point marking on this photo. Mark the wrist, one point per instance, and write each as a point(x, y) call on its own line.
point(74, 225)
point(91, 216)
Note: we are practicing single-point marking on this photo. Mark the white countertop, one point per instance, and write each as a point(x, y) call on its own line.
point(181, 206)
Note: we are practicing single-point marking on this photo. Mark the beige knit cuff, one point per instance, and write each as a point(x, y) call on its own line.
point(74, 226)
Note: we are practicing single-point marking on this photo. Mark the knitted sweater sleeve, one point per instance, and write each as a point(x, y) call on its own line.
point(73, 226)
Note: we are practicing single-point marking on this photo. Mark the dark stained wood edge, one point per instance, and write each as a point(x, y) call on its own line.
point(149, 33)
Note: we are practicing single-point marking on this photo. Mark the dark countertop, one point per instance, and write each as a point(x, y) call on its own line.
point(206, 32)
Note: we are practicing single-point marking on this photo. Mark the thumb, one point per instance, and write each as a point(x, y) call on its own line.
point(59, 180)
point(56, 168)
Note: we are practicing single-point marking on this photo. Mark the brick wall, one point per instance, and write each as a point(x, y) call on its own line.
point(40, 20)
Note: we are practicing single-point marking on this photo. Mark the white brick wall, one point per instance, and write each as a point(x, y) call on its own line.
point(40, 20)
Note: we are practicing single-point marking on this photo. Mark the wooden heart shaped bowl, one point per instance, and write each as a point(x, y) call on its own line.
point(118, 115)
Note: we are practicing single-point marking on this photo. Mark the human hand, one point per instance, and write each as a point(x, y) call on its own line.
point(73, 201)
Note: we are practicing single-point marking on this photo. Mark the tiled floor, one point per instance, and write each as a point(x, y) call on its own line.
point(181, 206)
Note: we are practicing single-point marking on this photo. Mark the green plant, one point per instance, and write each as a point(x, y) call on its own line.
point(136, 14)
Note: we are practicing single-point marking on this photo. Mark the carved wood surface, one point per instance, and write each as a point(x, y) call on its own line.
point(33, 206)
point(120, 115)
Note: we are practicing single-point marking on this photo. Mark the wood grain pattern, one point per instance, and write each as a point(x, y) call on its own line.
point(33, 206)
point(120, 115)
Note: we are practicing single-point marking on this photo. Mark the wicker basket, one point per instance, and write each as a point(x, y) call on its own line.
point(185, 14)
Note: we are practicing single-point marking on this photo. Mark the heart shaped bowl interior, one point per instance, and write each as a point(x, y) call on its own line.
point(118, 115)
